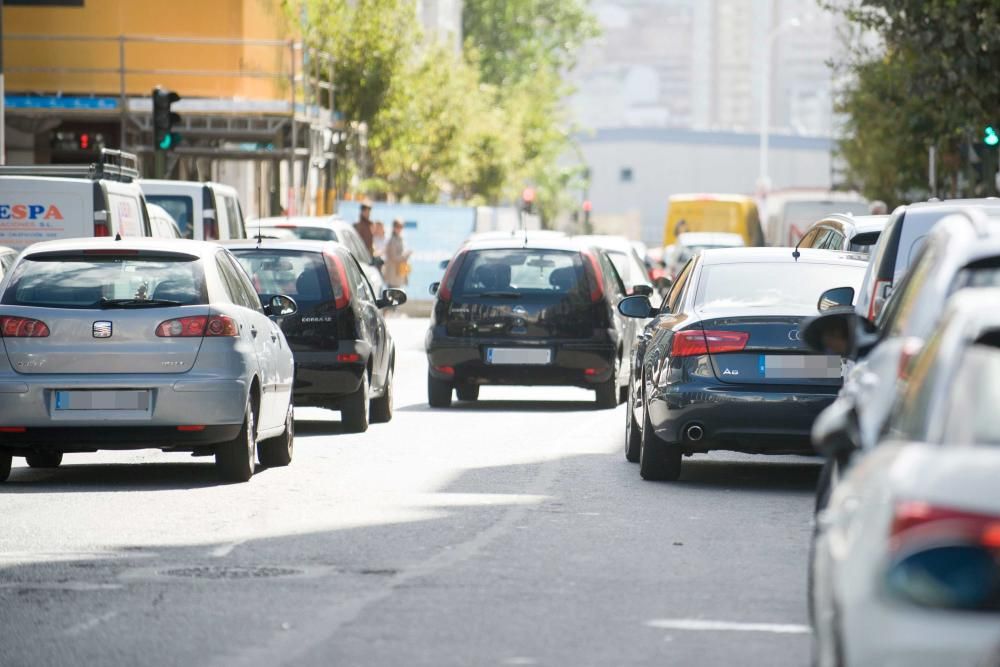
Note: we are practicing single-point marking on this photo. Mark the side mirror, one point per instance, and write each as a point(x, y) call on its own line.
point(832, 332)
point(636, 306)
point(281, 306)
point(832, 298)
point(433, 289)
point(642, 290)
point(391, 296)
point(444, 264)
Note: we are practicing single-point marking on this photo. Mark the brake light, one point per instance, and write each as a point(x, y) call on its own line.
point(349, 357)
point(595, 277)
point(23, 327)
point(446, 370)
point(196, 326)
point(450, 274)
point(695, 342)
point(13, 429)
point(338, 275)
point(101, 229)
point(193, 427)
point(911, 347)
point(922, 521)
point(879, 297)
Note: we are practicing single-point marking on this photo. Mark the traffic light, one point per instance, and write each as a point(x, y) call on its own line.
point(990, 137)
point(587, 207)
point(528, 200)
point(164, 119)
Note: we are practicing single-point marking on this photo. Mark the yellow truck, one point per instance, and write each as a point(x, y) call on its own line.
point(734, 214)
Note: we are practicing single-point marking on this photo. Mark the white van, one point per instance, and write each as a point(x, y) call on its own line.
point(163, 224)
point(790, 213)
point(203, 211)
point(46, 202)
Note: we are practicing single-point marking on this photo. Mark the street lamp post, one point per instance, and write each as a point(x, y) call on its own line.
point(764, 178)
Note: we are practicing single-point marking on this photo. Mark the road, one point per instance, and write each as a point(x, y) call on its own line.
point(508, 532)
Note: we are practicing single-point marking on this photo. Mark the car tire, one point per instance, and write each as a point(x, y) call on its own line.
point(467, 392)
point(381, 407)
point(44, 459)
point(235, 460)
point(658, 462)
point(633, 432)
point(438, 392)
point(277, 452)
point(354, 413)
point(5, 463)
point(607, 393)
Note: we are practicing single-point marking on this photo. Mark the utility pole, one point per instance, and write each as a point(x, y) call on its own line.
point(3, 98)
point(932, 169)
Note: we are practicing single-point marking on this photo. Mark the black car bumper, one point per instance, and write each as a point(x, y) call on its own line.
point(744, 418)
point(321, 380)
point(70, 439)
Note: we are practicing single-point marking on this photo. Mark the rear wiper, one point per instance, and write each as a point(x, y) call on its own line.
point(136, 303)
point(501, 295)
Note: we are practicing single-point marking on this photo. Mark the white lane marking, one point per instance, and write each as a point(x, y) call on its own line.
point(727, 626)
point(89, 624)
point(224, 550)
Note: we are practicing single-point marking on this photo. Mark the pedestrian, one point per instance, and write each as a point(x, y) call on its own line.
point(878, 207)
point(397, 265)
point(378, 239)
point(365, 228)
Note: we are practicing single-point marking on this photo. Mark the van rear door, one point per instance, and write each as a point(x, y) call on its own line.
point(34, 209)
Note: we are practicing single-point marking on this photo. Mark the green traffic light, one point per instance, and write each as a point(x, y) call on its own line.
point(990, 137)
point(167, 141)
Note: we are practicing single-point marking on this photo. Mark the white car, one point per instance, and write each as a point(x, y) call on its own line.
point(162, 223)
point(677, 255)
point(906, 557)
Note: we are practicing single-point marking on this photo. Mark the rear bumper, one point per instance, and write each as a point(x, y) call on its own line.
point(321, 380)
point(569, 361)
point(745, 418)
point(91, 438)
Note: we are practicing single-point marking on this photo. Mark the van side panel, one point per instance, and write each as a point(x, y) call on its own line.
point(34, 210)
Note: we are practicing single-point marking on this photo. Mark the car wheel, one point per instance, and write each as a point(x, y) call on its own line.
point(235, 459)
point(633, 432)
point(607, 392)
point(467, 392)
point(438, 392)
point(44, 459)
point(5, 461)
point(277, 452)
point(657, 461)
point(381, 407)
point(354, 412)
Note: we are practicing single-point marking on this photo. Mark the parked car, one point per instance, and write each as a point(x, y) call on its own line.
point(528, 313)
point(203, 211)
point(722, 365)
point(845, 232)
point(51, 202)
point(963, 250)
point(910, 542)
point(7, 257)
point(791, 212)
point(344, 356)
point(162, 223)
point(330, 228)
point(142, 343)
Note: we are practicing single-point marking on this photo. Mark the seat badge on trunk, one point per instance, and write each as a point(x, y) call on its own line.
point(102, 329)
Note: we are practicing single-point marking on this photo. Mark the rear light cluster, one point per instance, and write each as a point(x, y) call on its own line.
point(595, 277)
point(349, 357)
point(697, 342)
point(338, 274)
point(197, 326)
point(450, 274)
point(23, 327)
point(916, 521)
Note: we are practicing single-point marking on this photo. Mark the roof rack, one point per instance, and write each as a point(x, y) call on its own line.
point(113, 165)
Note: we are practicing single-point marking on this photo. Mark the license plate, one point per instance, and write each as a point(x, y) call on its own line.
point(115, 399)
point(518, 355)
point(801, 366)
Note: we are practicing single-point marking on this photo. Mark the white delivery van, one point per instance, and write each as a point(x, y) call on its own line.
point(46, 202)
point(203, 211)
point(790, 213)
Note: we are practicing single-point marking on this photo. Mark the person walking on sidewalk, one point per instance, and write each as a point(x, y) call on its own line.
point(397, 265)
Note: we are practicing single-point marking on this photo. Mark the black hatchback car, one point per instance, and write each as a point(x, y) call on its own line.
point(528, 312)
point(723, 366)
point(344, 355)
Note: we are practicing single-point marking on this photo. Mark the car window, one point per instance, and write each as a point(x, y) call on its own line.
point(673, 298)
point(909, 301)
point(913, 410)
point(834, 240)
point(233, 284)
point(809, 240)
point(233, 216)
point(360, 280)
point(249, 294)
point(622, 266)
point(759, 285)
point(525, 270)
point(180, 208)
point(613, 283)
point(639, 275)
point(354, 243)
point(971, 415)
point(300, 275)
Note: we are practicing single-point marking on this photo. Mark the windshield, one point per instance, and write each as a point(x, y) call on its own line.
point(289, 232)
point(759, 285)
point(79, 281)
point(300, 275)
point(180, 208)
point(521, 270)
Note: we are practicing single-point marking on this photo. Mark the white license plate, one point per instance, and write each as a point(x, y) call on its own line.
point(802, 366)
point(114, 399)
point(518, 355)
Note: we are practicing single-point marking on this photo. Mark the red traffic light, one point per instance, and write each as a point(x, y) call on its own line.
point(528, 195)
point(84, 141)
point(587, 206)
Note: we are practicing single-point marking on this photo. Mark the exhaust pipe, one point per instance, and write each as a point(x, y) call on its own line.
point(694, 432)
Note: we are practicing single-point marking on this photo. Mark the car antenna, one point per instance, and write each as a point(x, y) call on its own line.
point(118, 236)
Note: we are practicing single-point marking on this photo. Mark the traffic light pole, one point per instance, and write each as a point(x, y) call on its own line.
point(3, 98)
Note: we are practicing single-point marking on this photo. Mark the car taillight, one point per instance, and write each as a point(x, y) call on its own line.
point(450, 274)
point(23, 327)
point(695, 342)
point(879, 296)
point(101, 229)
point(911, 347)
point(595, 277)
point(921, 522)
point(338, 275)
point(196, 326)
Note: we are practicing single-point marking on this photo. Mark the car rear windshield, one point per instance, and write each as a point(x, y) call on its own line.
point(972, 417)
point(864, 242)
point(300, 275)
point(290, 232)
point(180, 208)
point(524, 271)
point(762, 285)
point(94, 281)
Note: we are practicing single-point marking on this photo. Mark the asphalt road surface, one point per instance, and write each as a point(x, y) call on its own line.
point(506, 532)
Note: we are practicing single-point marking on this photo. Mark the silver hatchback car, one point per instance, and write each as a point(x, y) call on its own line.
point(142, 343)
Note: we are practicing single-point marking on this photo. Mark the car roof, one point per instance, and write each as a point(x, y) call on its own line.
point(780, 256)
point(5, 249)
point(202, 249)
point(870, 223)
point(297, 245)
point(295, 221)
point(608, 242)
point(518, 242)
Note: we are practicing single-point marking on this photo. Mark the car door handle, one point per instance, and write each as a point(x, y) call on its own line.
point(253, 331)
point(274, 336)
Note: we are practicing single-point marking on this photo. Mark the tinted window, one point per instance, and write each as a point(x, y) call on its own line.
point(359, 283)
point(762, 285)
point(673, 298)
point(613, 283)
point(915, 228)
point(234, 286)
point(300, 275)
point(180, 208)
point(81, 281)
point(522, 270)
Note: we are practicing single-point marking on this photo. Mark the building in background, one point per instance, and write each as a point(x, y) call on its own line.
point(442, 21)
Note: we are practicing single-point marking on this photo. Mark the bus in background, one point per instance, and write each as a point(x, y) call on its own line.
point(733, 214)
point(790, 213)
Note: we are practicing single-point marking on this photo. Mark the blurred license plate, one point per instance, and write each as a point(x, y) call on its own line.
point(803, 366)
point(516, 355)
point(103, 400)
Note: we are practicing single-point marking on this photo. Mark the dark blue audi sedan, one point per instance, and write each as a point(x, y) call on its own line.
point(721, 364)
